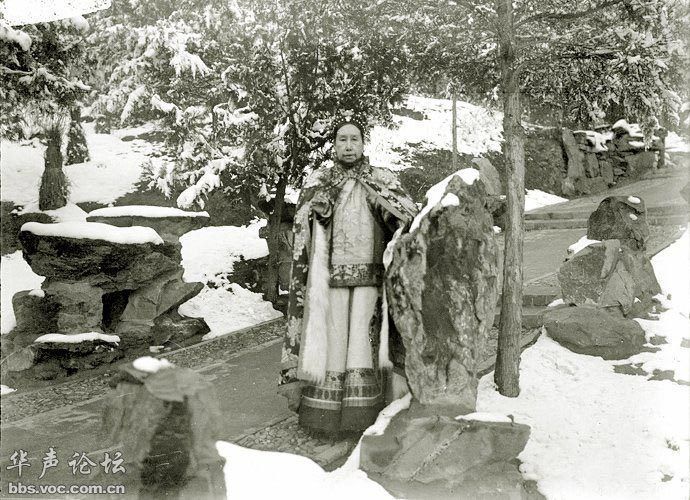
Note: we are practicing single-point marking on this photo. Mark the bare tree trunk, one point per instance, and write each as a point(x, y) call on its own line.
point(506, 375)
point(455, 129)
point(270, 278)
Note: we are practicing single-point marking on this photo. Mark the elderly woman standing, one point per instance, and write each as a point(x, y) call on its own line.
point(337, 337)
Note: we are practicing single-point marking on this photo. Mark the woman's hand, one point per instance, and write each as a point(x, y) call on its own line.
point(321, 206)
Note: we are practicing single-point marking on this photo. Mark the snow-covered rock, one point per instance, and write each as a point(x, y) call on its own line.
point(75, 338)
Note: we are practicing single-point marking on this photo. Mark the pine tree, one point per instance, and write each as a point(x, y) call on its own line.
point(40, 69)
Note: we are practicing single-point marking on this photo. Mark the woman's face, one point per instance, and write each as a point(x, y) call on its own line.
point(349, 145)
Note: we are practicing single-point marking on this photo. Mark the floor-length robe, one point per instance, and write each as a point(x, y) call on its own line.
point(335, 306)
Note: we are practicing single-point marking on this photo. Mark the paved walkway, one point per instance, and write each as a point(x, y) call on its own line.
point(245, 381)
point(660, 190)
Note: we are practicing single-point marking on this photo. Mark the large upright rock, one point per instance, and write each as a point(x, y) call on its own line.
point(167, 420)
point(621, 218)
point(576, 158)
point(441, 286)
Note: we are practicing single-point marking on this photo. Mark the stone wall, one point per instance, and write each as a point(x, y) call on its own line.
point(597, 160)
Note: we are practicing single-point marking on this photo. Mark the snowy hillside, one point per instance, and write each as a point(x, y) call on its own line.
point(479, 131)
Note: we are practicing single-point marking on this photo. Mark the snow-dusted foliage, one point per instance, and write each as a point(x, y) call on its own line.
point(260, 77)
point(41, 67)
point(593, 63)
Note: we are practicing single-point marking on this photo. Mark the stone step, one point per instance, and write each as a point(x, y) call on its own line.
point(527, 338)
point(672, 209)
point(654, 220)
point(531, 316)
point(534, 299)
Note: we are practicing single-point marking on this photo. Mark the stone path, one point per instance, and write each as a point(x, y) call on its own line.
point(660, 192)
point(244, 368)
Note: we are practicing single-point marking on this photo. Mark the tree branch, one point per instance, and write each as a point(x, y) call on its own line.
point(566, 16)
point(9, 71)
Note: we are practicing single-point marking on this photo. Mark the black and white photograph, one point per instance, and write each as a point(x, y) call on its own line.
point(345, 249)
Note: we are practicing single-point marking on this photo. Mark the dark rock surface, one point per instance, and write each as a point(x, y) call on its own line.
point(588, 185)
point(576, 165)
point(593, 331)
point(145, 304)
point(608, 274)
point(617, 217)
point(441, 286)
point(168, 423)
point(435, 450)
point(597, 275)
point(77, 307)
point(111, 266)
point(173, 327)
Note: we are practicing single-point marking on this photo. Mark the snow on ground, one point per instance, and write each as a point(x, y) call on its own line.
point(145, 211)
point(299, 478)
point(228, 309)
point(5, 390)
point(534, 198)
point(292, 477)
point(675, 143)
point(599, 434)
point(479, 131)
point(208, 255)
point(211, 251)
point(15, 276)
point(671, 268)
point(114, 169)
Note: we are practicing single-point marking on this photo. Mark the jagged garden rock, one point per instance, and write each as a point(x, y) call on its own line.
point(168, 423)
point(111, 266)
point(147, 303)
point(441, 286)
point(608, 274)
point(620, 218)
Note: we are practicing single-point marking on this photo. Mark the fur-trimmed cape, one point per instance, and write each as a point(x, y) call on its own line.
point(304, 347)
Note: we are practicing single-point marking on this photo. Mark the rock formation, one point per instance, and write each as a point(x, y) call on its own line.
point(608, 282)
point(441, 286)
point(101, 278)
point(167, 419)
